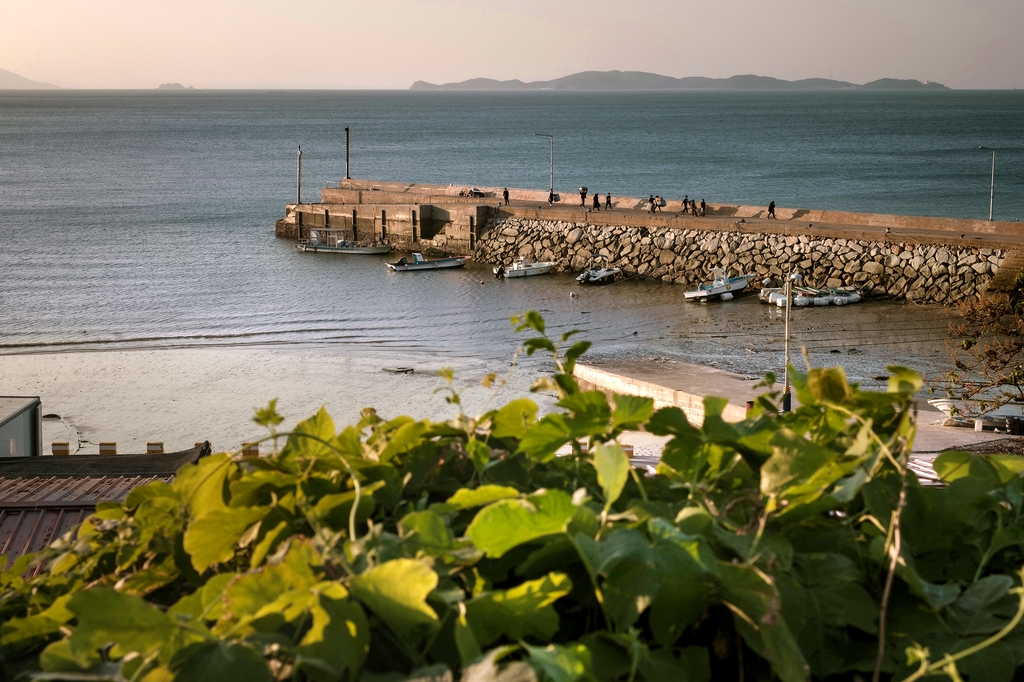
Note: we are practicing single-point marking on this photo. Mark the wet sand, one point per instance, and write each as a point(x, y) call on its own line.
point(180, 396)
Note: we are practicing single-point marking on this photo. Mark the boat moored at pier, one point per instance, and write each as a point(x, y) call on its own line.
point(602, 275)
point(809, 296)
point(522, 268)
point(722, 286)
point(418, 262)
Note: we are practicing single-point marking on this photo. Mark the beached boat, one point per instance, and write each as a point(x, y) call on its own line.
point(420, 263)
point(722, 286)
point(332, 241)
point(809, 296)
point(966, 411)
point(521, 268)
point(601, 275)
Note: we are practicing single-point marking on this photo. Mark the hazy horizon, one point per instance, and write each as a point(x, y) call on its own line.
point(389, 44)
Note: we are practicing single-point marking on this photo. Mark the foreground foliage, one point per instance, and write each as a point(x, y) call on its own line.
point(782, 547)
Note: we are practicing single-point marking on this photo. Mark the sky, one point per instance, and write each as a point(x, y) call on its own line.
point(392, 43)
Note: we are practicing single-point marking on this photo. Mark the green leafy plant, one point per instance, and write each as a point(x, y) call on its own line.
point(788, 546)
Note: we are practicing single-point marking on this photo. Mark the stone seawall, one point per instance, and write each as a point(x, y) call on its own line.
point(927, 273)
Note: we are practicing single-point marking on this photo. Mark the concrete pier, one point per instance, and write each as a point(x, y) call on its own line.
point(920, 258)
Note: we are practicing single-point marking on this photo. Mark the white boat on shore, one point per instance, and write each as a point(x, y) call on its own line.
point(602, 275)
point(722, 286)
point(521, 268)
point(809, 296)
point(966, 411)
point(332, 241)
point(420, 263)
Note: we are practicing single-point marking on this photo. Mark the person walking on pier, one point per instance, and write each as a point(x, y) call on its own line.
point(583, 196)
point(771, 211)
point(608, 201)
point(504, 194)
point(597, 202)
point(650, 203)
point(551, 197)
point(703, 207)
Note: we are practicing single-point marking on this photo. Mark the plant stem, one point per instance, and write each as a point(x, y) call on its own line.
point(894, 552)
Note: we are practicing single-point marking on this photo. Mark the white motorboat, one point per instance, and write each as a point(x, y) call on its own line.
point(967, 411)
point(809, 296)
point(332, 241)
point(420, 263)
point(602, 275)
point(521, 268)
point(722, 286)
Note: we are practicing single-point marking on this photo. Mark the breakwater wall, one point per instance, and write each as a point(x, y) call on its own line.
point(919, 258)
point(929, 273)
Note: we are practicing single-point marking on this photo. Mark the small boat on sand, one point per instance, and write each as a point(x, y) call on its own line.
point(332, 241)
point(722, 286)
point(420, 263)
point(966, 411)
point(603, 275)
point(521, 268)
point(809, 296)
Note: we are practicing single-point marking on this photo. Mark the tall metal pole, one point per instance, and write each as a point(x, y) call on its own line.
point(347, 176)
point(992, 187)
point(787, 399)
point(298, 178)
point(551, 160)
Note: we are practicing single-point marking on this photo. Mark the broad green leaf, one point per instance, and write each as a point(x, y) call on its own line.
point(106, 616)
point(203, 485)
point(58, 657)
point(249, 593)
point(514, 419)
point(397, 592)
point(212, 538)
point(757, 609)
point(631, 411)
point(679, 604)
point(479, 453)
point(904, 380)
point(590, 411)
point(311, 437)
point(150, 491)
point(339, 639)
point(545, 437)
point(217, 661)
point(465, 640)
point(467, 498)
point(505, 524)
point(828, 385)
point(693, 665)
point(39, 625)
point(430, 532)
point(612, 467)
point(520, 612)
point(985, 607)
point(557, 663)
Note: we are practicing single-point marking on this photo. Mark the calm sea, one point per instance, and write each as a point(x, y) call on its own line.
point(145, 219)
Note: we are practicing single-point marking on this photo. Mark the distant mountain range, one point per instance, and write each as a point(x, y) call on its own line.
point(640, 80)
point(12, 81)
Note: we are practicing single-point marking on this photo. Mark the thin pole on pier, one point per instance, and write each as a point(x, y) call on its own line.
point(347, 176)
point(298, 178)
point(992, 187)
point(787, 399)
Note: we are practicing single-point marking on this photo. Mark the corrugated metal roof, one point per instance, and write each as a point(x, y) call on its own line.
point(42, 498)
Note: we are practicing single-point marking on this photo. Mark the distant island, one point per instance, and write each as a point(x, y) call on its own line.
point(640, 80)
point(174, 86)
point(12, 81)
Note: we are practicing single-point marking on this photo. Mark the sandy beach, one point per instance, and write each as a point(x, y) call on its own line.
point(180, 396)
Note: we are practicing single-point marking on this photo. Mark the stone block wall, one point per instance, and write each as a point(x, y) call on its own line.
point(917, 272)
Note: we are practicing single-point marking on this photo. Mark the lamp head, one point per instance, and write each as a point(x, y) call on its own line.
point(796, 277)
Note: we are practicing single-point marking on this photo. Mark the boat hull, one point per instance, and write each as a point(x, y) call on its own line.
point(441, 264)
point(349, 250)
point(524, 270)
point(967, 410)
point(711, 291)
point(599, 276)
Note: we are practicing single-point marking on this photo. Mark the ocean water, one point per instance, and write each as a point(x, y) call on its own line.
point(145, 219)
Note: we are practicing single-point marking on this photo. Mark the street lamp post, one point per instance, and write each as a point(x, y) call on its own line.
point(992, 187)
point(787, 400)
point(551, 160)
